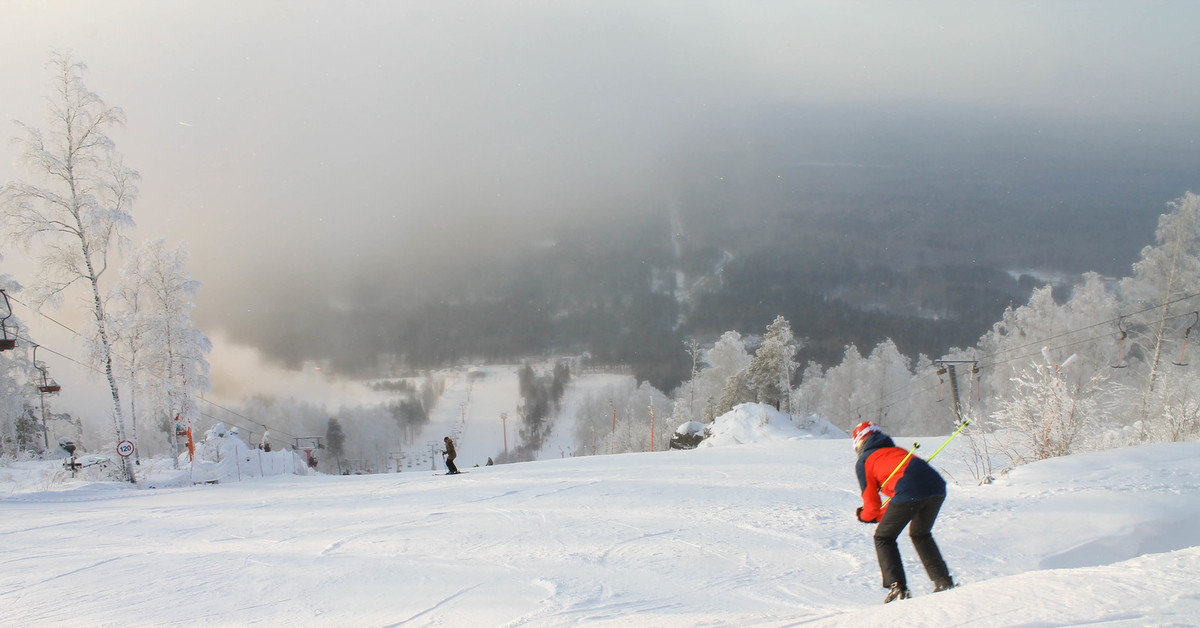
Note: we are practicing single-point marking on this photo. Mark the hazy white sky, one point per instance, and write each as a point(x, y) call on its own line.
point(290, 136)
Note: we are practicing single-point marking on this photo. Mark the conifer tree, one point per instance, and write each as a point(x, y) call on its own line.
point(335, 441)
point(770, 372)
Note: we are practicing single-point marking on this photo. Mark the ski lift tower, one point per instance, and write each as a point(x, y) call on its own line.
point(951, 366)
point(432, 454)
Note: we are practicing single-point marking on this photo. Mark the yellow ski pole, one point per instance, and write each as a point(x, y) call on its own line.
point(916, 446)
point(939, 449)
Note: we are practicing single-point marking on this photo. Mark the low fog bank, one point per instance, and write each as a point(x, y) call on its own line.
point(844, 197)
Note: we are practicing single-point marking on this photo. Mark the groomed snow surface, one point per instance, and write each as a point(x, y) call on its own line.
point(756, 529)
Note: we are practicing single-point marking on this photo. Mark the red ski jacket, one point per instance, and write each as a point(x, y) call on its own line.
point(914, 480)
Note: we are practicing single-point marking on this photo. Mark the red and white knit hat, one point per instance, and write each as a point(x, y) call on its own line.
point(862, 431)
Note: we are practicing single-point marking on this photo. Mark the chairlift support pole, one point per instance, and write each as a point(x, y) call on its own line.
point(950, 367)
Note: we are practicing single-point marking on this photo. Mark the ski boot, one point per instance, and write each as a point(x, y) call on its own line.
point(943, 584)
point(897, 592)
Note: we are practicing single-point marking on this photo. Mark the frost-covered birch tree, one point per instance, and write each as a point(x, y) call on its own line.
point(76, 209)
point(128, 327)
point(1166, 272)
point(727, 357)
point(159, 339)
point(845, 401)
point(699, 398)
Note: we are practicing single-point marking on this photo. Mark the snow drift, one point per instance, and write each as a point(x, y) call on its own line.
point(756, 422)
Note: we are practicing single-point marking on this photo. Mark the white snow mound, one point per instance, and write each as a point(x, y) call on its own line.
point(757, 422)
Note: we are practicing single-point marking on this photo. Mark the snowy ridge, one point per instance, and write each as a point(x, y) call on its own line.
point(755, 422)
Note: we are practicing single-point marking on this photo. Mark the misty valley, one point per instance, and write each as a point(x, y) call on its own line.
point(922, 267)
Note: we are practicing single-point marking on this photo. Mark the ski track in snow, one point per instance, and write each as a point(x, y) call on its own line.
point(750, 535)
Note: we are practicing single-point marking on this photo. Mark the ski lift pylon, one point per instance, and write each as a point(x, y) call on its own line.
point(941, 383)
point(1121, 346)
point(976, 381)
point(6, 343)
point(1187, 333)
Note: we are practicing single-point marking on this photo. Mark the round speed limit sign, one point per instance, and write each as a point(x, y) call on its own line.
point(125, 448)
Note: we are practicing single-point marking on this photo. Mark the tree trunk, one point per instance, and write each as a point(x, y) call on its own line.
point(1158, 336)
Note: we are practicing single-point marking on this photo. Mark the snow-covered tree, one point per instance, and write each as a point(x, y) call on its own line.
point(157, 332)
point(727, 357)
point(1019, 334)
point(886, 376)
point(846, 400)
point(877, 387)
point(618, 420)
point(929, 409)
point(128, 333)
point(16, 392)
point(1050, 416)
point(335, 441)
point(770, 372)
point(78, 208)
point(698, 399)
point(809, 397)
point(1166, 272)
point(737, 391)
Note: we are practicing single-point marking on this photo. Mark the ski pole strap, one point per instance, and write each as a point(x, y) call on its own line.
point(956, 432)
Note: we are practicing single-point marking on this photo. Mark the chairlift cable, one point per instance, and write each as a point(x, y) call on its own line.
point(44, 315)
point(99, 372)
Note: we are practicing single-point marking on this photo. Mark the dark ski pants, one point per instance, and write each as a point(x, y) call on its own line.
point(919, 517)
point(450, 466)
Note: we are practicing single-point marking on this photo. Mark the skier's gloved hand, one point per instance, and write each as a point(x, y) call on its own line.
point(858, 514)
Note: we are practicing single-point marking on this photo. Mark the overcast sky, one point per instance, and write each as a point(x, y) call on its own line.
point(311, 138)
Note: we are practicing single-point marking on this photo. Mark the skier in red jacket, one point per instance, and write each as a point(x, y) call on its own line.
point(915, 494)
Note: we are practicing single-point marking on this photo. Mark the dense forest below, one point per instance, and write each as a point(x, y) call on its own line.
point(918, 228)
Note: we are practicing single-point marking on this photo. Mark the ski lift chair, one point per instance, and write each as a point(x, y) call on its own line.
point(1121, 346)
point(941, 382)
point(6, 343)
point(48, 385)
point(1187, 333)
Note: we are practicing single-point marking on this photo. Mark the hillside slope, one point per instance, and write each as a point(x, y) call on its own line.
point(757, 534)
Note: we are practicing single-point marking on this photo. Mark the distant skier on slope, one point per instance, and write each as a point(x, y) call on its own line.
point(915, 494)
point(449, 453)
